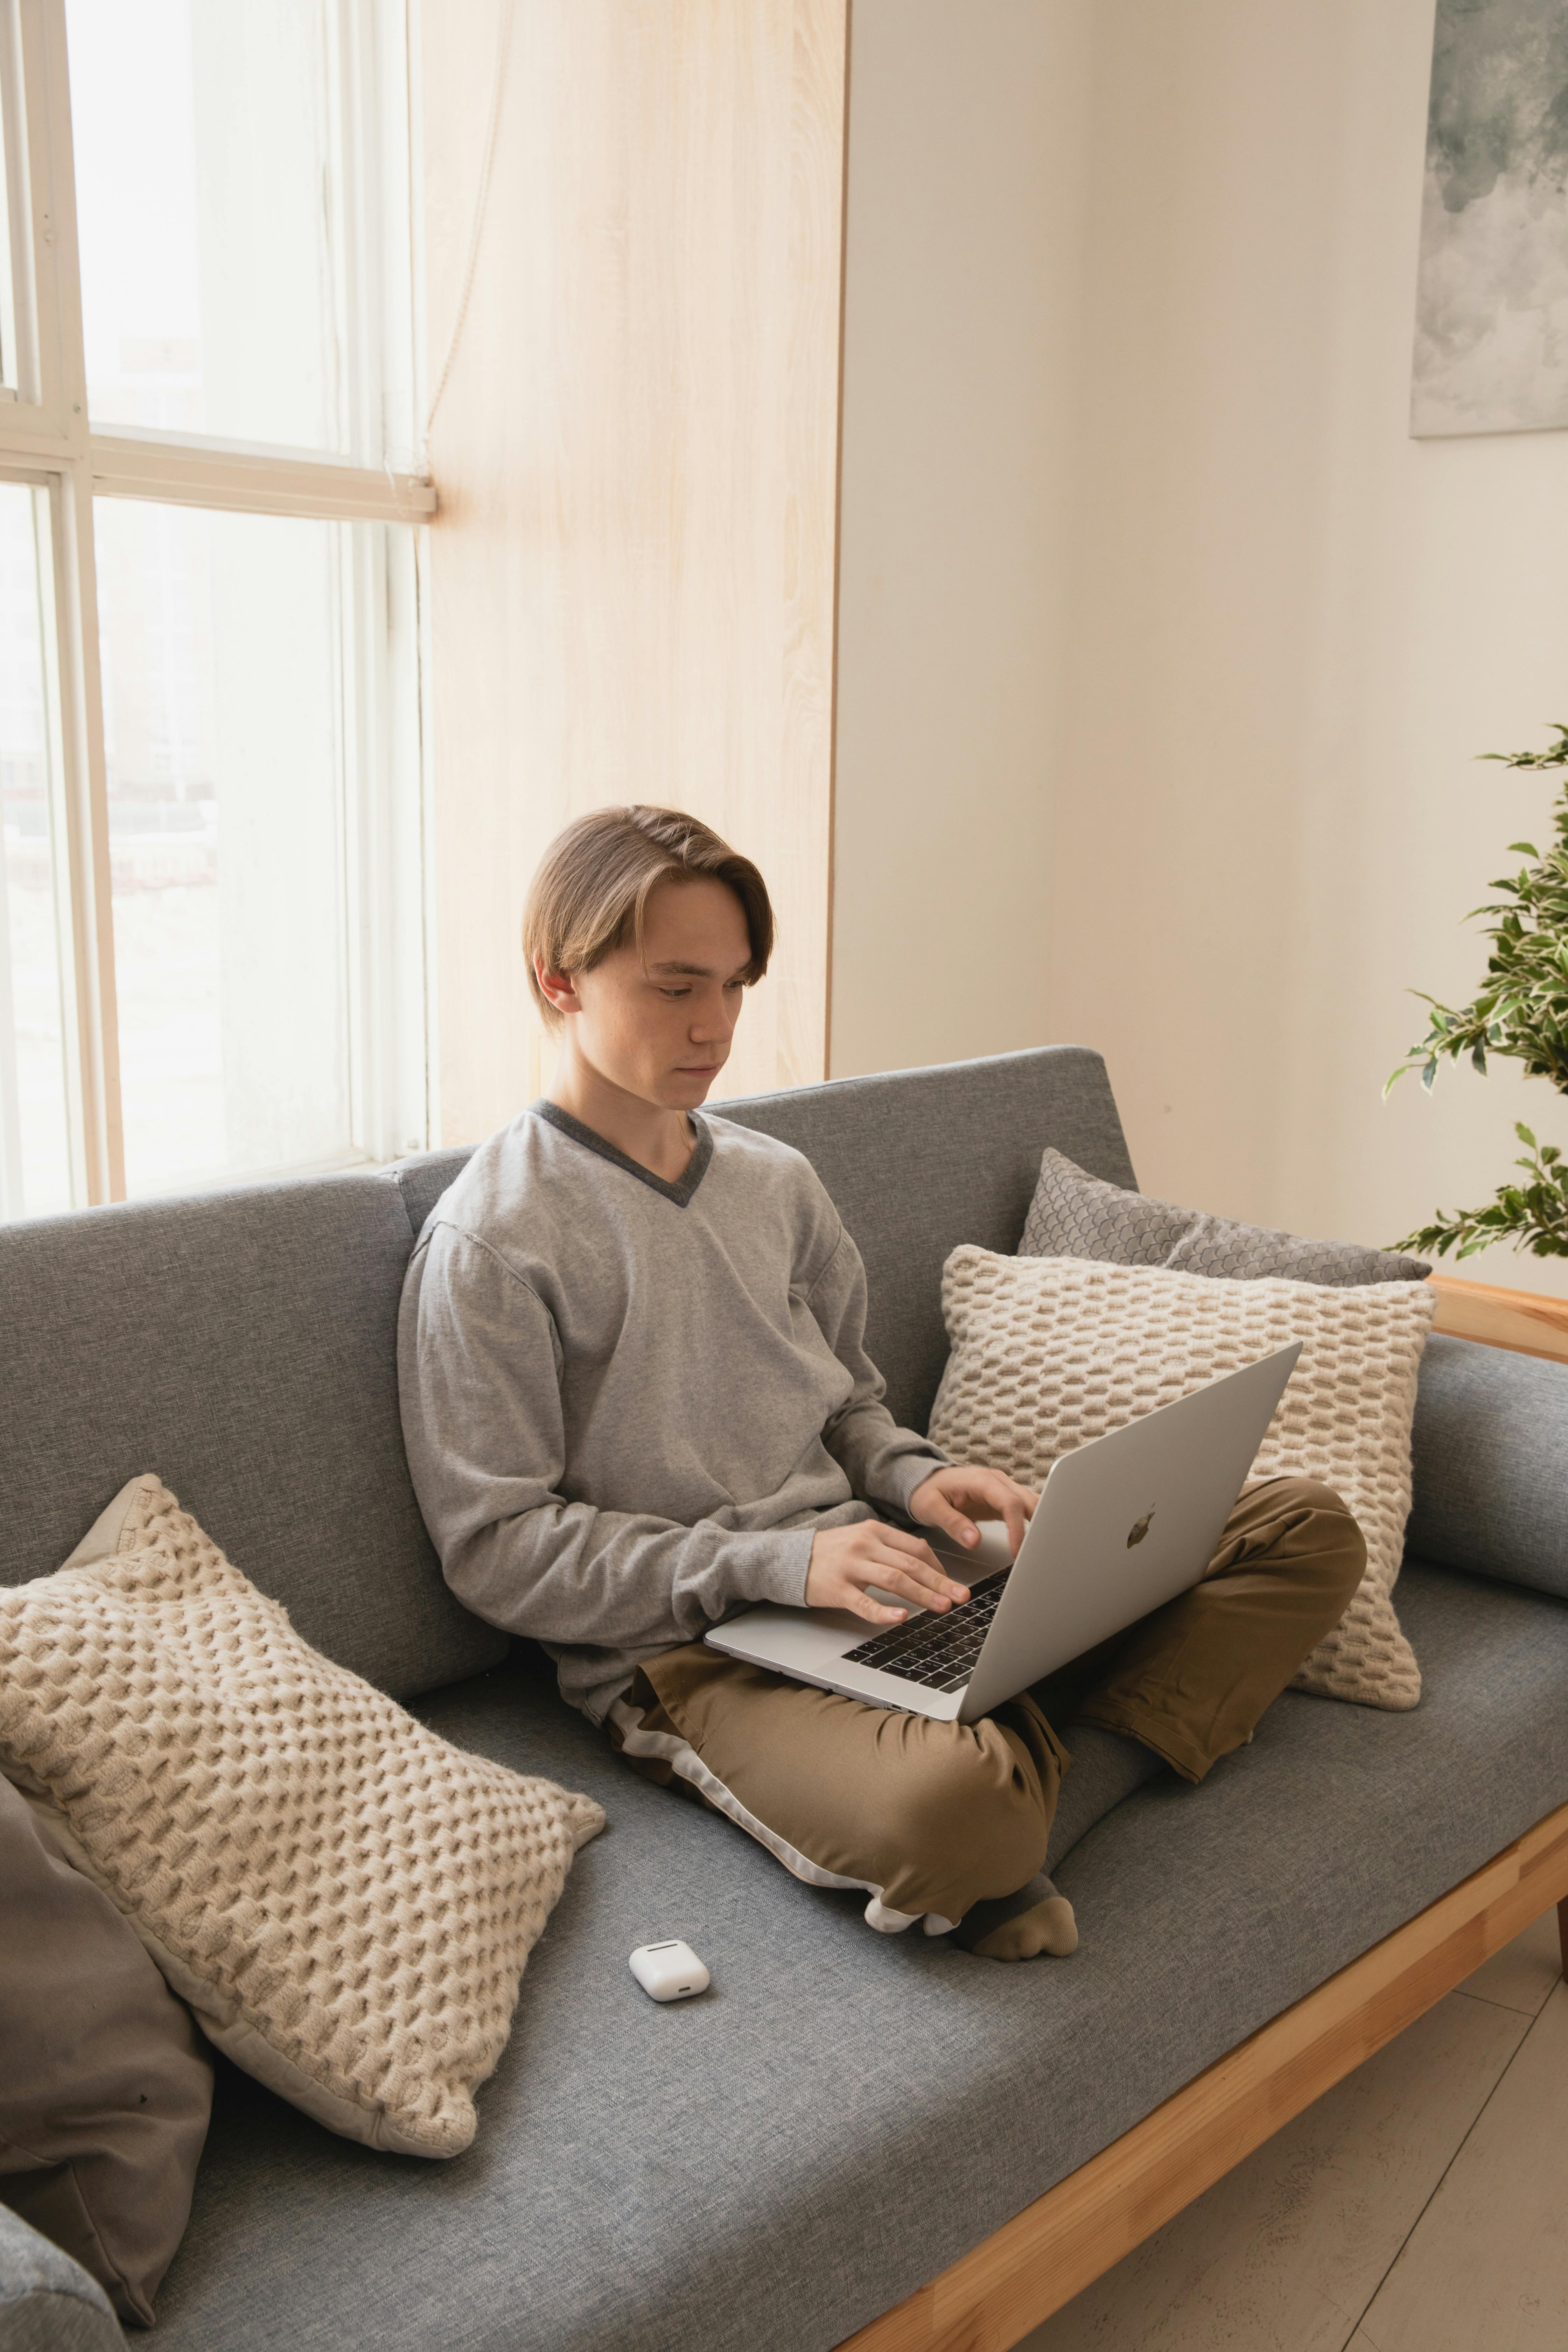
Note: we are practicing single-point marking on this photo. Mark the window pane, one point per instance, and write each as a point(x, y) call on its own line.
point(35, 1151)
point(211, 213)
point(224, 736)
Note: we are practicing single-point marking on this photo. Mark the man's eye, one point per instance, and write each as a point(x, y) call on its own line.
point(675, 992)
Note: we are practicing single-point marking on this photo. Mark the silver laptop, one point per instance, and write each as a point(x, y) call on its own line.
point(1122, 1525)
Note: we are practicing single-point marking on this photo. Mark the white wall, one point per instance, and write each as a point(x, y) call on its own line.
point(1282, 629)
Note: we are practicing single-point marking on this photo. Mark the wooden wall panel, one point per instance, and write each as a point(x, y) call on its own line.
point(632, 566)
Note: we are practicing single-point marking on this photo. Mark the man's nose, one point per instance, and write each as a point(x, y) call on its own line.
point(712, 1022)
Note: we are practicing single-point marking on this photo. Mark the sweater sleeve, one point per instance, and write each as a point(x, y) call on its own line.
point(883, 1462)
point(479, 1374)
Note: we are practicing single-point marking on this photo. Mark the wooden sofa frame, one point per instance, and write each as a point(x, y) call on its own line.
point(1007, 2286)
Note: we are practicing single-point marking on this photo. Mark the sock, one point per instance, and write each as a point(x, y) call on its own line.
point(1105, 1768)
point(887, 1922)
point(1018, 1926)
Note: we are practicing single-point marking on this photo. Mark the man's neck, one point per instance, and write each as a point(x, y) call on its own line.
point(660, 1141)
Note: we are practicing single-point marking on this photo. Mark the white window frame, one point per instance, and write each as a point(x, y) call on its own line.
point(46, 440)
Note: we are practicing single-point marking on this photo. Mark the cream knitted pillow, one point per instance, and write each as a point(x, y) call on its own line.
point(1050, 1352)
point(345, 1900)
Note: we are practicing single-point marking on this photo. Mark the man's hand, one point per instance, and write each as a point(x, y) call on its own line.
point(845, 1560)
point(943, 1499)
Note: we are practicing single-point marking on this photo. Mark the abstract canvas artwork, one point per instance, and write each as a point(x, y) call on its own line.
point(1491, 309)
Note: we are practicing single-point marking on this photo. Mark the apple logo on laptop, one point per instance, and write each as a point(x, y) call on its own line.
point(1139, 1529)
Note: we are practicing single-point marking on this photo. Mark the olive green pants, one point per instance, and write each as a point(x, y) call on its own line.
point(928, 1817)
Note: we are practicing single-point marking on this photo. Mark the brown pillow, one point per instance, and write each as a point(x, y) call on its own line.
point(106, 2088)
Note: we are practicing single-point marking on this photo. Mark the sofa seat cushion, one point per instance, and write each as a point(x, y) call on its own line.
point(844, 2113)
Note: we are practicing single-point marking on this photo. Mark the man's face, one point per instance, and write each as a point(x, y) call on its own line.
point(659, 1026)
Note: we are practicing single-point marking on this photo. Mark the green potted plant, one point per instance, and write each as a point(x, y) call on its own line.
point(1521, 1012)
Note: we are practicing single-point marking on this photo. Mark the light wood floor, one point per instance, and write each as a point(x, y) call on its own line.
point(1420, 2206)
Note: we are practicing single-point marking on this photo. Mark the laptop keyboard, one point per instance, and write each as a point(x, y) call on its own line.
point(937, 1652)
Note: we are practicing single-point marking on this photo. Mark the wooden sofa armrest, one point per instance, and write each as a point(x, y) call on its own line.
point(1522, 1321)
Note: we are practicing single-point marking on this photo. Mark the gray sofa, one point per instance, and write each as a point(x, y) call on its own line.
point(844, 2113)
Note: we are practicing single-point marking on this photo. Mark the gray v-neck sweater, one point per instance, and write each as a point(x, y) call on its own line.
point(629, 1404)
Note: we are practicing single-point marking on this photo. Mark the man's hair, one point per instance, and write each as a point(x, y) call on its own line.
point(590, 894)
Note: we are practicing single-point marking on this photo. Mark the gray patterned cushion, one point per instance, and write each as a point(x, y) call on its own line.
point(1076, 1215)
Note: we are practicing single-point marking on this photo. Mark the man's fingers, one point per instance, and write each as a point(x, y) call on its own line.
point(928, 1586)
point(923, 1562)
point(991, 1491)
point(898, 1540)
point(1002, 1493)
point(917, 1559)
point(946, 1516)
point(860, 1605)
point(924, 1596)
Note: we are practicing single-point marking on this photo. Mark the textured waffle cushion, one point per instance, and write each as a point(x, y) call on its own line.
point(1076, 1215)
point(345, 1900)
point(1050, 1352)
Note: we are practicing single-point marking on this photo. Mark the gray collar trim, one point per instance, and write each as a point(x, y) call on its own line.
point(695, 1166)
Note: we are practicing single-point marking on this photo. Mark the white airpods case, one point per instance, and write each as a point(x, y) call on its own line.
point(669, 1971)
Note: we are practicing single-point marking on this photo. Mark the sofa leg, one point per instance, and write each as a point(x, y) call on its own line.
point(1562, 1932)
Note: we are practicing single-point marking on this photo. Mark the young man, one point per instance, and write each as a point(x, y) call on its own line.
point(637, 1400)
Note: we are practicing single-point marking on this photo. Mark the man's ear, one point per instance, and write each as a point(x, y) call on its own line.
point(556, 988)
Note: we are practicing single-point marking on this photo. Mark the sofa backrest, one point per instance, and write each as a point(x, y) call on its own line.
point(922, 1159)
point(242, 1344)
point(916, 1161)
point(1488, 1452)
